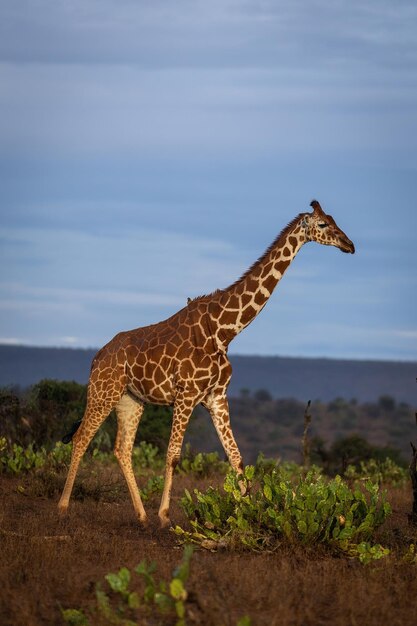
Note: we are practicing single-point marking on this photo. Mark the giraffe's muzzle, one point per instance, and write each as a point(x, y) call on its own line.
point(347, 246)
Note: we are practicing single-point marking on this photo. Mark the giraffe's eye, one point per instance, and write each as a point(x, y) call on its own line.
point(323, 225)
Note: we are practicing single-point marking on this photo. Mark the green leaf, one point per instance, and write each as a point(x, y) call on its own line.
point(74, 617)
point(249, 472)
point(176, 589)
point(268, 492)
point(163, 601)
point(367, 552)
point(119, 582)
point(144, 569)
point(103, 601)
point(183, 570)
point(133, 600)
point(287, 528)
point(180, 608)
point(313, 527)
point(346, 533)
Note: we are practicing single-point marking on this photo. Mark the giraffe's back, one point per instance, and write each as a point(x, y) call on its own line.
point(156, 361)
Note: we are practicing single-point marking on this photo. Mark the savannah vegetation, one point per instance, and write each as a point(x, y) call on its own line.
point(42, 413)
point(322, 535)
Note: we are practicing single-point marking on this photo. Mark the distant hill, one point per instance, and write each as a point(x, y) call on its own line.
point(326, 379)
point(283, 377)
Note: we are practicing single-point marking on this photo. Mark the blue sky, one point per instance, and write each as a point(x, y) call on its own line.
point(150, 151)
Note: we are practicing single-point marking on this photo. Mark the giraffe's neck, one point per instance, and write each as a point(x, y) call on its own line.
point(234, 308)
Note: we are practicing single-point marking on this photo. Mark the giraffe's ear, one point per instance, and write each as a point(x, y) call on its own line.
point(316, 207)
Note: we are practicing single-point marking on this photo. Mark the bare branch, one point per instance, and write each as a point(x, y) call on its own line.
point(306, 440)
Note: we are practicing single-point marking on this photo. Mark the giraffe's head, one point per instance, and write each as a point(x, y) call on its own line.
point(323, 229)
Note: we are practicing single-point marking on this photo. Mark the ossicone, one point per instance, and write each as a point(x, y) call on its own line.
point(315, 205)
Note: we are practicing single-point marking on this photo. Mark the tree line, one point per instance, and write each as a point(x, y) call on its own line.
point(342, 431)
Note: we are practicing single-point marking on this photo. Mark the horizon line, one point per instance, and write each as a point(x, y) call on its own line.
point(231, 354)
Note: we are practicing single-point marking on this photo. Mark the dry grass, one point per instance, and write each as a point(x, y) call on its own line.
point(47, 563)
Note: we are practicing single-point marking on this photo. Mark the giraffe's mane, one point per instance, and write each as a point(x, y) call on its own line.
point(284, 232)
point(205, 296)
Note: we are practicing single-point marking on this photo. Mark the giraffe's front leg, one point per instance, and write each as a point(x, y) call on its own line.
point(182, 412)
point(218, 408)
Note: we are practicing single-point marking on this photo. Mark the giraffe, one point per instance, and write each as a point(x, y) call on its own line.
point(182, 361)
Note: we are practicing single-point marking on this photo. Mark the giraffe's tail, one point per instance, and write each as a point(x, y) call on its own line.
point(68, 437)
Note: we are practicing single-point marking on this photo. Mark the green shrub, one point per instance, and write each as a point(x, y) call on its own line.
point(311, 511)
point(15, 459)
point(127, 606)
point(43, 413)
point(351, 450)
point(147, 456)
point(386, 471)
point(155, 425)
point(288, 470)
point(201, 464)
point(265, 465)
point(60, 397)
point(144, 456)
point(153, 486)
point(52, 406)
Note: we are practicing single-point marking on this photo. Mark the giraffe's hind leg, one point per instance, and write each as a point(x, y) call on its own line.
point(129, 411)
point(91, 422)
point(99, 404)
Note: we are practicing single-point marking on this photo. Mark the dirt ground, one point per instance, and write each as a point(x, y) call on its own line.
point(47, 563)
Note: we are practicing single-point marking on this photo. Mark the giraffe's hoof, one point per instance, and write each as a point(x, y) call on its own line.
point(143, 522)
point(62, 510)
point(165, 524)
point(164, 520)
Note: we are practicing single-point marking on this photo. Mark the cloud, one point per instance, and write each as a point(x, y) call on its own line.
point(404, 334)
point(90, 112)
point(72, 341)
point(12, 341)
point(218, 79)
point(139, 259)
point(59, 299)
point(219, 33)
point(81, 284)
point(324, 337)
